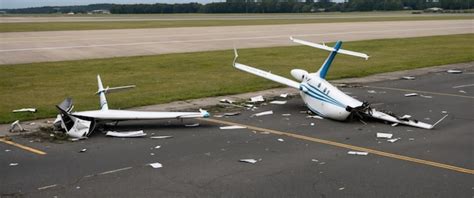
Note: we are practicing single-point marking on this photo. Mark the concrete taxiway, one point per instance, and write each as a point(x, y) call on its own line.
point(311, 160)
point(27, 47)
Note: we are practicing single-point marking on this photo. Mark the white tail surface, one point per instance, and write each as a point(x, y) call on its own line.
point(327, 48)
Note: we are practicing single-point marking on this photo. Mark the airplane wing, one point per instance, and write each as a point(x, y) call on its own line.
point(265, 74)
point(383, 116)
point(120, 115)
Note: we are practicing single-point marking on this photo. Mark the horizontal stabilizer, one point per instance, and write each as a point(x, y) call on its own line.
point(116, 89)
point(325, 47)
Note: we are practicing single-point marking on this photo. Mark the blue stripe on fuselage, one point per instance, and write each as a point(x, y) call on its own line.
point(328, 62)
point(321, 96)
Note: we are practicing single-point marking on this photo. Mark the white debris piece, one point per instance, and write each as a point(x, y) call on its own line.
point(283, 95)
point(315, 116)
point(257, 99)
point(82, 150)
point(357, 153)
point(225, 100)
point(424, 96)
point(250, 161)
point(13, 164)
point(462, 91)
point(156, 165)
point(280, 140)
point(192, 125)
point(263, 113)
point(232, 127)
point(395, 124)
point(393, 140)
point(384, 135)
point(77, 139)
point(411, 139)
point(314, 160)
point(232, 113)
point(408, 78)
point(16, 124)
point(342, 188)
point(410, 94)
point(371, 91)
point(126, 134)
point(312, 124)
point(286, 114)
point(32, 110)
point(444, 112)
point(161, 137)
point(7, 150)
point(280, 102)
point(157, 147)
point(454, 71)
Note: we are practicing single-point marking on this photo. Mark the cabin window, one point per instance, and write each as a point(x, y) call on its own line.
point(319, 85)
point(328, 92)
point(324, 90)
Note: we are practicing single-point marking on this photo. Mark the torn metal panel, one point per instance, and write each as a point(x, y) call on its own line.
point(384, 135)
point(411, 94)
point(250, 161)
point(15, 125)
point(263, 113)
point(225, 100)
point(126, 134)
point(280, 102)
point(257, 99)
point(232, 127)
point(156, 165)
point(393, 140)
point(284, 95)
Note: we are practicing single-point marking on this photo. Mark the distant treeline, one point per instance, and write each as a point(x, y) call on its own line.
point(257, 6)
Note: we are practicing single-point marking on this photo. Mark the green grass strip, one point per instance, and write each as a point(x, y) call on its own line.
point(171, 77)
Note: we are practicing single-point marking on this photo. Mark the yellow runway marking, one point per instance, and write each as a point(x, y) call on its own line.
point(347, 146)
point(23, 147)
point(418, 91)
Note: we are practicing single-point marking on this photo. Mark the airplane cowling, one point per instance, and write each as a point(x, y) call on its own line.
point(299, 74)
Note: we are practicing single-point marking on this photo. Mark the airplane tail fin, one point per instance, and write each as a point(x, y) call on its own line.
point(102, 91)
point(334, 51)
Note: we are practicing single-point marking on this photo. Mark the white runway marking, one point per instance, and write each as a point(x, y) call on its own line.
point(221, 39)
point(114, 171)
point(461, 86)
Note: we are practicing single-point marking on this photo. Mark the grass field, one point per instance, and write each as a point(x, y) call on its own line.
point(149, 23)
point(165, 78)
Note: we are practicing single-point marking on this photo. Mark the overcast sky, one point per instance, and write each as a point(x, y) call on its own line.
point(38, 3)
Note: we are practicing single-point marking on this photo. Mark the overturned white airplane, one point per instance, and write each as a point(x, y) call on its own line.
point(82, 124)
point(324, 99)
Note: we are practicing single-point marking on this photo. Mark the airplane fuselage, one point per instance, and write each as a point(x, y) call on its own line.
point(325, 99)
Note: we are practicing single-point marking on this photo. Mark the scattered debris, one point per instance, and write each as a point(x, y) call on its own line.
point(322, 163)
point(192, 125)
point(257, 99)
point(411, 139)
point(280, 140)
point(232, 113)
point(454, 71)
point(227, 101)
point(461, 86)
point(32, 110)
point(312, 124)
point(280, 102)
point(283, 95)
point(341, 188)
point(408, 77)
point(77, 139)
point(371, 91)
point(357, 153)
point(157, 147)
point(7, 150)
point(46, 187)
point(286, 114)
point(152, 154)
point(410, 94)
point(425, 96)
point(83, 150)
point(462, 91)
point(395, 124)
point(126, 134)
point(315, 116)
point(250, 161)
point(78, 187)
point(384, 135)
point(263, 113)
point(31, 123)
point(232, 127)
point(393, 140)
point(156, 165)
point(13, 164)
point(314, 160)
point(161, 137)
point(15, 125)
point(444, 112)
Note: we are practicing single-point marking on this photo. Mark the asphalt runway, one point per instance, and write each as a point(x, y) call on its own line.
point(28, 47)
point(203, 161)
